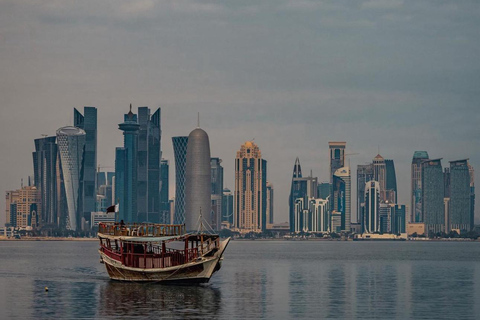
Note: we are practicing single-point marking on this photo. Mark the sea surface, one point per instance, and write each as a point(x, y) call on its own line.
point(258, 279)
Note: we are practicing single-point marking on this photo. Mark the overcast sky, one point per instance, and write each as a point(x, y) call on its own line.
point(395, 75)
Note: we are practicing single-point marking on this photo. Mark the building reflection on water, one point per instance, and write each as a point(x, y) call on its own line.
point(149, 300)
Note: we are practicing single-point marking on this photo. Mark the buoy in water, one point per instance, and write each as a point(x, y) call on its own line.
point(46, 289)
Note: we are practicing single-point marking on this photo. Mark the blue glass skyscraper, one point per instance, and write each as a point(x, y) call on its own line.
point(432, 196)
point(126, 169)
point(460, 196)
point(180, 152)
point(88, 122)
point(164, 192)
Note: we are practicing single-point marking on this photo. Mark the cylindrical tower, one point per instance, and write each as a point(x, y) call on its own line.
point(197, 179)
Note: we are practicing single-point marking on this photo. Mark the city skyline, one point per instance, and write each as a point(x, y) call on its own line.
point(400, 77)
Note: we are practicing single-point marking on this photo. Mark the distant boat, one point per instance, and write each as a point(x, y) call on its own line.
point(159, 253)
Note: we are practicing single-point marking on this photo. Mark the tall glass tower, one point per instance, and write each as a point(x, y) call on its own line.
point(45, 177)
point(217, 193)
point(460, 196)
point(88, 122)
point(342, 196)
point(71, 147)
point(164, 192)
point(148, 165)
point(416, 206)
point(126, 169)
point(432, 196)
point(364, 175)
point(180, 153)
point(371, 210)
point(391, 183)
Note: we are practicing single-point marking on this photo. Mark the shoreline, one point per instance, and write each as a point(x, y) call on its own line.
point(47, 239)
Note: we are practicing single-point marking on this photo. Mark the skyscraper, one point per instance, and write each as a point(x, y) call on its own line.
point(250, 189)
point(71, 147)
point(197, 179)
point(23, 207)
point(301, 188)
point(45, 177)
point(342, 196)
point(472, 195)
point(432, 196)
point(416, 208)
point(270, 213)
point(126, 169)
point(337, 157)
point(391, 182)
point(148, 165)
point(164, 192)
point(380, 175)
point(180, 153)
point(215, 220)
point(460, 196)
point(227, 207)
point(88, 122)
point(371, 211)
point(364, 174)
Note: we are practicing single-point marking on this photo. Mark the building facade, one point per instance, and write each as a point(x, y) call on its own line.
point(371, 211)
point(197, 179)
point(23, 207)
point(250, 189)
point(342, 196)
point(432, 196)
point(88, 123)
point(460, 196)
point(364, 175)
point(180, 154)
point(126, 169)
point(270, 212)
point(416, 186)
point(164, 192)
point(216, 214)
point(227, 206)
point(71, 147)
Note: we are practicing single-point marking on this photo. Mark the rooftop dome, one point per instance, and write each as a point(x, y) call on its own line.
point(70, 131)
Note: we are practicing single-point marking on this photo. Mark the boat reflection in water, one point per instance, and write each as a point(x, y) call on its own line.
point(152, 300)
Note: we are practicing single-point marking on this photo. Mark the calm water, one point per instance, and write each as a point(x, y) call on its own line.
point(259, 279)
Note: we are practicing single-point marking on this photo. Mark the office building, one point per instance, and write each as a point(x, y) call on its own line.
point(380, 175)
point(416, 179)
point(391, 182)
point(215, 218)
point(45, 178)
point(71, 147)
point(398, 216)
point(301, 188)
point(197, 179)
point(364, 175)
point(472, 195)
point(164, 192)
point(227, 207)
point(337, 157)
point(432, 196)
point(320, 209)
point(342, 196)
point(250, 189)
point(148, 165)
point(460, 196)
point(88, 123)
point(324, 190)
point(126, 169)
point(269, 211)
point(180, 154)
point(23, 207)
point(371, 219)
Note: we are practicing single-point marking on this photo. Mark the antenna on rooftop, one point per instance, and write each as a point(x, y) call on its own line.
point(198, 120)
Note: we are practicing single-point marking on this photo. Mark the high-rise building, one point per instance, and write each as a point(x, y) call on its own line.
point(472, 195)
point(416, 195)
point(45, 177)
point(342, 196)
point(180, 153)
point(324, 190)
point(71, 148)
point(301, 188)
point(227, 207)
point(371, 211)
point(23, 207)
point(88, 193)
point(126, 169)
point(250, 189)
point(364, 175)
point(215, 218)
point(164, 192)
point(319, 209)
point(380, 175)
point(391, 182)
point(337, 157)
point(398, 219)
point(148, 165)
point(460, 196)
point(432, 196)
point(269, 211)
point(197, 179)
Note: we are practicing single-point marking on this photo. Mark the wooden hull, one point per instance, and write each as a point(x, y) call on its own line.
point(199, 271)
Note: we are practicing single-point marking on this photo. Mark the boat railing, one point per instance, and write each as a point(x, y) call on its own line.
point(141, 229)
